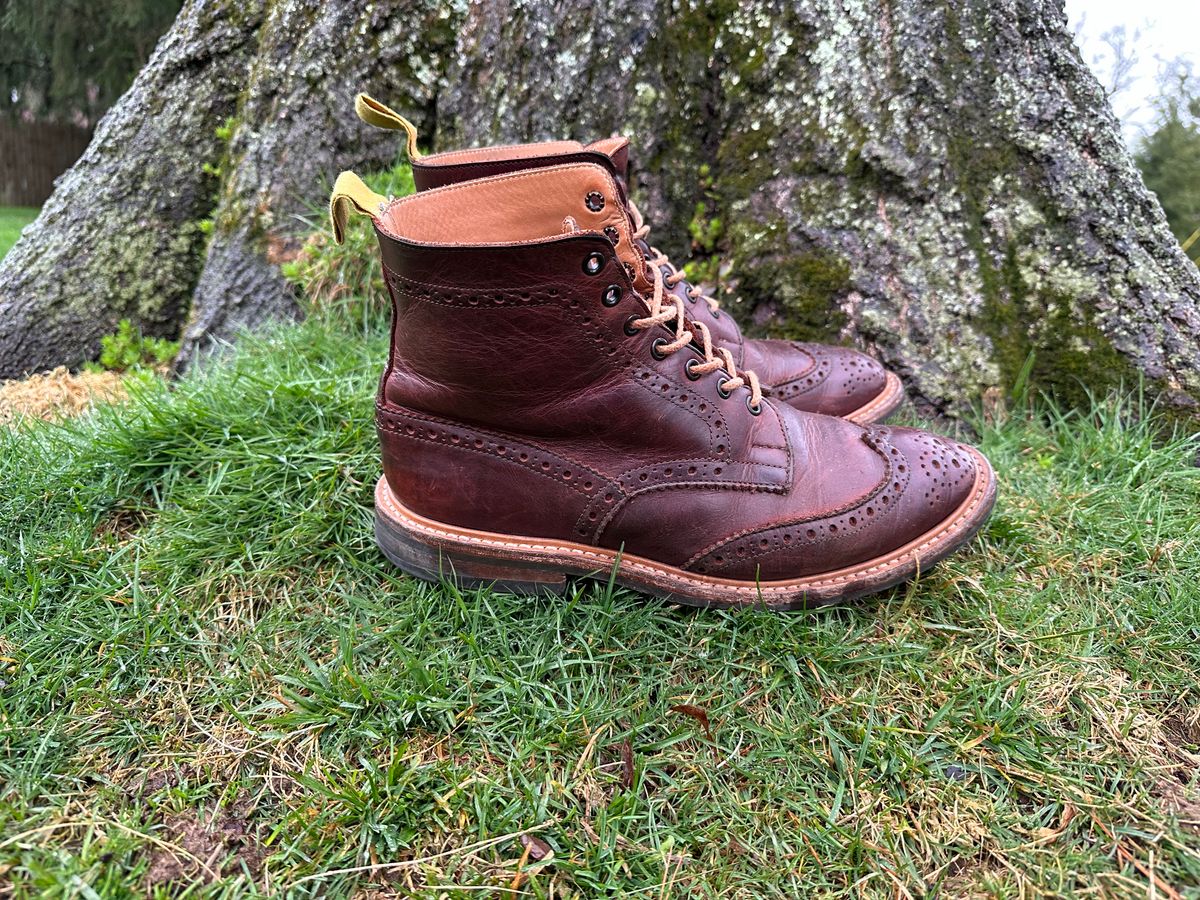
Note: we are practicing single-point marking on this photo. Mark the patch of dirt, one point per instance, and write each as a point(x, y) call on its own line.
point(1180, 801)
point(1183, 729)
point(122, 524)
point(58, 394)
point(196, 852)
point(154, 780)
point(970, 879)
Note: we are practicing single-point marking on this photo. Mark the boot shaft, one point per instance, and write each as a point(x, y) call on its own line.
point(495, 283)
point(513, 312)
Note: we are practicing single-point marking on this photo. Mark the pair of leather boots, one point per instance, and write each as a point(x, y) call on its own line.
point(559, 402)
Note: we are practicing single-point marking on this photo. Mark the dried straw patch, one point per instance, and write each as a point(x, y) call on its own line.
point(58, 394)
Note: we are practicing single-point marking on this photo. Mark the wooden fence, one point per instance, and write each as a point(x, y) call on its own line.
point(32, 155)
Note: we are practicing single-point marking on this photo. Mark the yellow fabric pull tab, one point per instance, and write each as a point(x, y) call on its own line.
point(375, 113)
point(349, 192)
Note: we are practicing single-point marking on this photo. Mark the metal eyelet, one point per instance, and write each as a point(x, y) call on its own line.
point(656, 348)
point(594, 201)
point(689, 370)
point(593, 263)
point(629, 327)
point(613, 235)
point(754, 410)
point(722, 390)
point(716, 314)
point(612, 295)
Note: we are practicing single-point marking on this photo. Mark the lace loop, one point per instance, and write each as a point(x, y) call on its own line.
point(660, 260)
point(664, 311)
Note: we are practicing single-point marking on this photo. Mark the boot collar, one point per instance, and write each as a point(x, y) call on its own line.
point(522, 207)
point(457, 166)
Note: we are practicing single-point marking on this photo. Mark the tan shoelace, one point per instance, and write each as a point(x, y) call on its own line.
point(715, 358)
point(641, 233)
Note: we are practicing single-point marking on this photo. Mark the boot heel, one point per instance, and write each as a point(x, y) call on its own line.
point(415, 557)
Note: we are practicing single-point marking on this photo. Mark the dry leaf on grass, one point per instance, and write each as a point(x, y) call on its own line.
point(627, 772)
point(536, 848)
point(695, 712)
point(58, 394)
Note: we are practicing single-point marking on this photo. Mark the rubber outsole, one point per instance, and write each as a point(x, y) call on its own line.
point(435, 550)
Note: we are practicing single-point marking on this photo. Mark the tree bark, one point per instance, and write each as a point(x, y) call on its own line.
point(295, 129)
point(942, 182)
point(121, 236)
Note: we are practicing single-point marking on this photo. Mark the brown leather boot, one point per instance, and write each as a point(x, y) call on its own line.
point(548, 412)
point(837, 381)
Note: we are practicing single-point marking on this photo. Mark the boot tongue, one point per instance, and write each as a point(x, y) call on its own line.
point(616, 149)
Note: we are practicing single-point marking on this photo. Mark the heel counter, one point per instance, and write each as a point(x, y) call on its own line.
point(477, 479)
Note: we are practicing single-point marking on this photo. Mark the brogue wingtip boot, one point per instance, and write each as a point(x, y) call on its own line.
point(833, 381)
point(548, 412)
point(828, 379)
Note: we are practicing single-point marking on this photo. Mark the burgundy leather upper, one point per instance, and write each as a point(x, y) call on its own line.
point(814, 377)
point(516, 401)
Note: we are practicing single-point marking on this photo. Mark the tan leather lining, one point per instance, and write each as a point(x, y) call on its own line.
point(608, 146)
point(503, 152)
point(514, 208)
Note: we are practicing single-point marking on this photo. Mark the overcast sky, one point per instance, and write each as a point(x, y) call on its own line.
point(1165, 29)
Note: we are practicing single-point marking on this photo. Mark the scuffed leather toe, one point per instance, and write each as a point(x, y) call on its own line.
point(938, 475)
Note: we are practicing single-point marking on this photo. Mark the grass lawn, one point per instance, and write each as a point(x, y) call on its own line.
point(12, 220)
point(211, 681)
point(211, 677)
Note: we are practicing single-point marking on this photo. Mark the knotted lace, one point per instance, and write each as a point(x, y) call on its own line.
point(658, 259)
point(715, 358)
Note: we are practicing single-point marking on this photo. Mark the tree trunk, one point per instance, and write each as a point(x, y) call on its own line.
point(121, 236)
point(943, 182)
point(294, 130)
